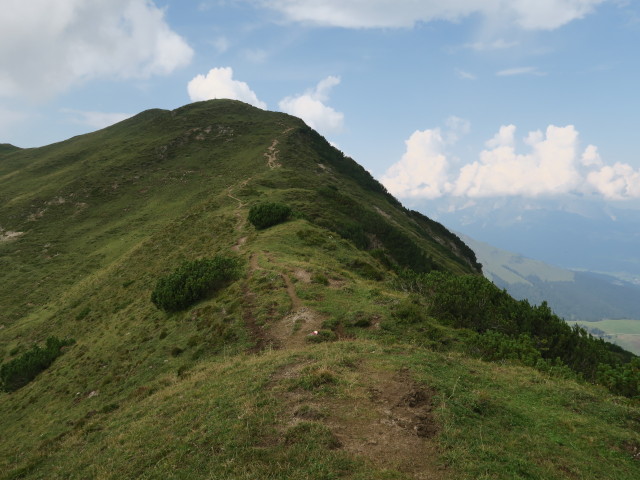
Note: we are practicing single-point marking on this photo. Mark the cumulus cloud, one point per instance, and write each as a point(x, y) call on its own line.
point(525, 14)
point(553, 165)
point(548, 169)
point(311, 107)
point(219, 83)
point(47, 46)
point(619, 181)
point(423, 171)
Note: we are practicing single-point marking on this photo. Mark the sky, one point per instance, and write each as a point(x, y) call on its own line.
point(453, 103)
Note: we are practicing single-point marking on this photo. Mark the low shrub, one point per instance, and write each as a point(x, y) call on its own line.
point(193, 281)
point(265, 215)
point(21, 370)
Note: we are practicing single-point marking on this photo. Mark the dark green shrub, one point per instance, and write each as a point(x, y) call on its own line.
point(410, 311)
point(265, 215)
point(320, 279)
point(365, 270)
point(21, 370)
point(193, 281)
point(495, 346)
point(621, 379)
point(515, 330)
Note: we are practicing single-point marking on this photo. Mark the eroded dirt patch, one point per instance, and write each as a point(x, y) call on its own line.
point(241, 241)
point(290, 331)
point(8, 236)
point(272, 155)
point(393, 426)
point(302, 275)
point(385, 417)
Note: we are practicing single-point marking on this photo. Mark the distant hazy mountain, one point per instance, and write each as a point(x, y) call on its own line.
point(578, 234)
point(574, 295)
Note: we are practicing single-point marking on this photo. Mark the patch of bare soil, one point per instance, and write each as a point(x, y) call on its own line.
point(334, 283)
point(292, 331)
point(302, 275)
point(387, 419)
point(392, 427)
point(258, 333)
point(7, 236)
point(272, 155)
point(240, 243)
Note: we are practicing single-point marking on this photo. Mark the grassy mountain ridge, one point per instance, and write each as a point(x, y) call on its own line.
point(171, 166)
point(237, 385)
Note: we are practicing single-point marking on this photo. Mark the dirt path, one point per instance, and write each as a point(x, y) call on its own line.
point(290, 331)
point(240, 218)
point(272, 155)
point(272, 151)
point(296, 303)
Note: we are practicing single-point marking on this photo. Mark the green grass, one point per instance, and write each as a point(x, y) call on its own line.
point(149, 394)
point(232, 418)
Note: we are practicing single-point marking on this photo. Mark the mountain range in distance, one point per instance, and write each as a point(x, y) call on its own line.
point(606, 305)
point(575, 234)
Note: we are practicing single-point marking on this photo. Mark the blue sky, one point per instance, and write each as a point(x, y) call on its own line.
point(454, 102)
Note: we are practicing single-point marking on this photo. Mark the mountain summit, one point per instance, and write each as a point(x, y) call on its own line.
point(216, 292)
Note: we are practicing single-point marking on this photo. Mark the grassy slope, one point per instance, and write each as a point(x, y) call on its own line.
point(149, 395)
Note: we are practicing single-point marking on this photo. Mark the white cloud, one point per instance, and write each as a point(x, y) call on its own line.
point(422, 172)
point(549, 169)
point(525, 14)
point(465, 75)
point(509, 72)
point(311, 107)
point(617, 182)
point(47, 46)
point(96, 120)
point(219, 83)
point(504, 138)
point(591, 157)
point(554, 165)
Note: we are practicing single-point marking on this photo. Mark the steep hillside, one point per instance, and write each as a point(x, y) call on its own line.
point(347, 338)
point(83, 204)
